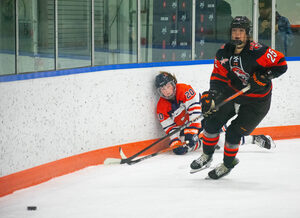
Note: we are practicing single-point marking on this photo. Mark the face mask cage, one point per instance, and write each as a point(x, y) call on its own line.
point(239, 42)
point(167, 97)
point(243, 23)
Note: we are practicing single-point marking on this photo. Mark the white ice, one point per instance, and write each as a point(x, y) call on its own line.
point(266, 183)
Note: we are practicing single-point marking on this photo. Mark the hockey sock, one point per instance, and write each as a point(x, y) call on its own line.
point(209, 141)
point(230, 151)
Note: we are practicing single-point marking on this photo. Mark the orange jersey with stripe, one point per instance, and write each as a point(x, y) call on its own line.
point(185, 107)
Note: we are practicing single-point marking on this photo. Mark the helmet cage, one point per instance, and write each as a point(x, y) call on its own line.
point(159, 90)
point(240, 22)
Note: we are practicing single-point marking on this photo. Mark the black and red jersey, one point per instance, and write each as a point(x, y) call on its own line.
point(232, 72)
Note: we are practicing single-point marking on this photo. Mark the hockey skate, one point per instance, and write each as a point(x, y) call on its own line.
point(221, 170)
point(201, 163)
point(263, 141)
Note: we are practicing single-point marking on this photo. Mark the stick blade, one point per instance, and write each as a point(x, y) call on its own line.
point(109, 161)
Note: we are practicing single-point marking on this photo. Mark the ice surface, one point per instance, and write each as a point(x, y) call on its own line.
point(266, 183)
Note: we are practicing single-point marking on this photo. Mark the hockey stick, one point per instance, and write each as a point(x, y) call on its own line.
point(154, 154)
point(242, 91)
point(130, 159)
point(109, 161)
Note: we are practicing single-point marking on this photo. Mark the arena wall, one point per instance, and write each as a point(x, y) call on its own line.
point(48, 119)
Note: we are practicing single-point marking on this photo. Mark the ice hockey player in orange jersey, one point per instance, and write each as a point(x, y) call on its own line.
point(178, 104)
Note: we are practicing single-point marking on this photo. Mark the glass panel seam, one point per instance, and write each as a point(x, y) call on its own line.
point(255, 20)
point(138, 31)
point(16, 36)
point(92, 32)
point(273, 24)
point(193, 28)
point(55, 35)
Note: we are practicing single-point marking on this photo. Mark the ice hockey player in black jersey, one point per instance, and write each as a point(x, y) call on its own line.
point(238, 63)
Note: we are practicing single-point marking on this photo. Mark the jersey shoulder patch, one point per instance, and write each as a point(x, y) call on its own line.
point(255, 46)
point(257, 49)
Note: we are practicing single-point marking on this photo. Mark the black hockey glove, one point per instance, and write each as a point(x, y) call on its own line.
point(258, 82)
point(268, 75)
point(190, 136)
point(179, 148)
point(208, 104)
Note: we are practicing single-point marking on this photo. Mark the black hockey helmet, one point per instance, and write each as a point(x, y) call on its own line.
point(162, 79)
point(241, 22)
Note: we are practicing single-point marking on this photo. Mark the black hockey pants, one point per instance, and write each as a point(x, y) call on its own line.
point(248, 117)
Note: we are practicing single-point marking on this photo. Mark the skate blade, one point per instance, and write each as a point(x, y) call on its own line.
point(109, 161)
point(210, 178)
point(198, 170)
